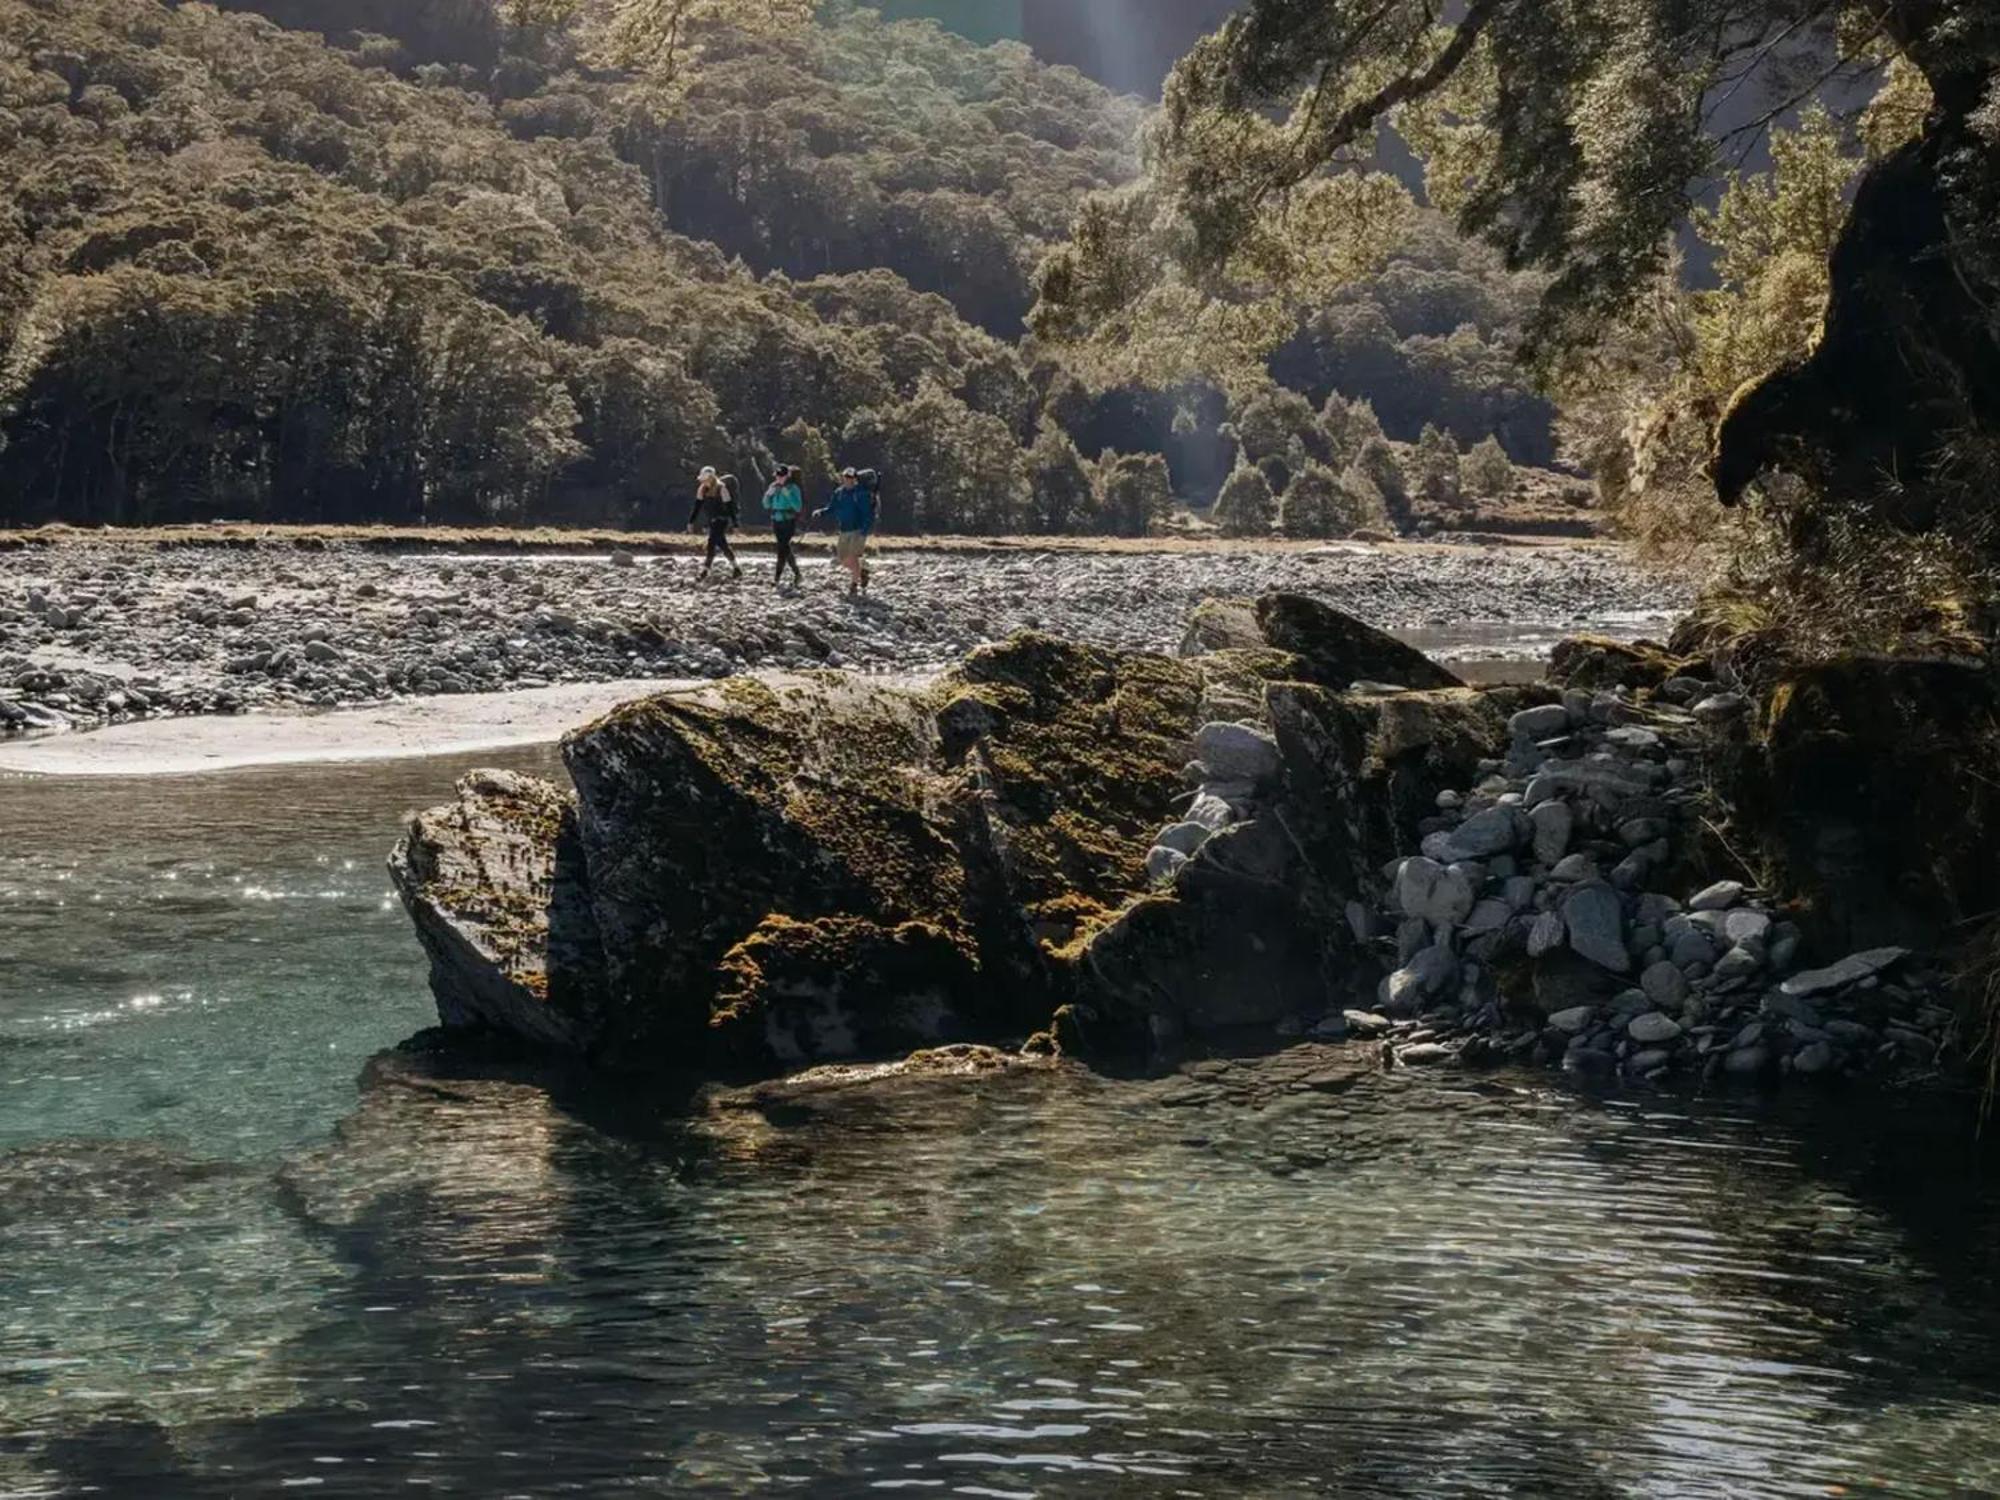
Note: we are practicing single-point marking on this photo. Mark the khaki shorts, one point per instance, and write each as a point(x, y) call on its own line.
point(851, 545)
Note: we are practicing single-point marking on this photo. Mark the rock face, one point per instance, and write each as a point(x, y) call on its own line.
point(763, 874)
point(1875, 787)
point(1101, 852)
point(494, 884)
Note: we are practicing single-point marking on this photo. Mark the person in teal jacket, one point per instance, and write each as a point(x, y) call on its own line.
point(782, 503)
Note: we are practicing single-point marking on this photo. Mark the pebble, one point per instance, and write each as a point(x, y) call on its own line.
point(433, 624)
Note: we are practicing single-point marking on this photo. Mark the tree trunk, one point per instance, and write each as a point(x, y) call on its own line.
point(1896, 412)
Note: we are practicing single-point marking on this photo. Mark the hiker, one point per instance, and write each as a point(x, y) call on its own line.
point(715, 497)
point(853, 510)
point(782, 503)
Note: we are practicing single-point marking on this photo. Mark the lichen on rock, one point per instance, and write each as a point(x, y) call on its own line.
point(494, 883)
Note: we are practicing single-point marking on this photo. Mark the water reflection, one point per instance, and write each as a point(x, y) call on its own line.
point(226, 1268)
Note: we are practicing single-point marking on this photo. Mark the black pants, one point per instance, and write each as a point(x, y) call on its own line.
point(784, 531)
point(718, 541)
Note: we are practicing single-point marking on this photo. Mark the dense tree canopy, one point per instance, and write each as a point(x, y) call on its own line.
point(472, 260)
point(1574, 139)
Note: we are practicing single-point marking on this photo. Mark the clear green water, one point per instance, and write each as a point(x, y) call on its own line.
point(227, 1268)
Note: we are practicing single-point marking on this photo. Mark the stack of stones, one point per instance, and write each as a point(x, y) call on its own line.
point(1550, 916)
point(1234, 766)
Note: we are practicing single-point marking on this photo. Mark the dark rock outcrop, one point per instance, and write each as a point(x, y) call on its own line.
point(760, 875)
point(1872, 790)
point(1337, 650)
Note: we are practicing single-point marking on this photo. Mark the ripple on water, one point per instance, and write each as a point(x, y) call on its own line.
point(224, 1270)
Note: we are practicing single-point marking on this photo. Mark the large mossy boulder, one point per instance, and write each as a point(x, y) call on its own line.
point(772, 865)
point(1594, 663)
point(755, 876)
point(1364, 770)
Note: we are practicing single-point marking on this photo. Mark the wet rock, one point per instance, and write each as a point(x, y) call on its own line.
point(1747, 1062)
point(493, 882)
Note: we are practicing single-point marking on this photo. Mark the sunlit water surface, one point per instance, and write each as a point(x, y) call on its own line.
point(226, 1269)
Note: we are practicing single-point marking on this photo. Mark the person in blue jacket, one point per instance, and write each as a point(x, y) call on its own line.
point(853, 511)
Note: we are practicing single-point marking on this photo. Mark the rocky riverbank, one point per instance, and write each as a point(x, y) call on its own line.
point(98, 632)
point(1296, 828)
point(1560, 909)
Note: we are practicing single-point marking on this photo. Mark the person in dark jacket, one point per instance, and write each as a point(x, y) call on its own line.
point(782, 503)
point(715, 499)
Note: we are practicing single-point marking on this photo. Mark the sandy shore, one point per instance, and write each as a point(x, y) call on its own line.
point(395, 731)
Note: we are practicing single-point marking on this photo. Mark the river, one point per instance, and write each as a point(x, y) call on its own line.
point(229, 1269)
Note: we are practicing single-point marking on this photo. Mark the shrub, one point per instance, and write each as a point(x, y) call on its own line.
point(1487, 469)
point(1246, 505)
point(1437, 466)
point(1313, 505)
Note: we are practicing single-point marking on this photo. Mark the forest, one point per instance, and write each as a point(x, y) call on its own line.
point(331, 261)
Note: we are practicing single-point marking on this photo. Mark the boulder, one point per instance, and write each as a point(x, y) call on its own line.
point(493, 882)
point(1336, 650)
point(1552, 823)
point(1596, 924)
point(1362, 774)
point(1850, 970)
point(1236, 752)
point(1593, 663)
point(1222, 625)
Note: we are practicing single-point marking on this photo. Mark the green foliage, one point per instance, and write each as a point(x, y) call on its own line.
point(1246, 506)
point(860, 143)
point(947, 467)
point(1432, 337)
point(1348, 424)
point(1436, 461)
point(1378, 479)
point(1135, 493)
point(1569, 137)
point(1061, 483)
point(1316, 505)
point(1270, 422)
point(806, 448)
point(1641, 408)
point(1487, 471)
point(276, 281)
